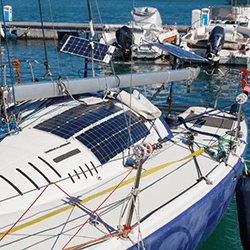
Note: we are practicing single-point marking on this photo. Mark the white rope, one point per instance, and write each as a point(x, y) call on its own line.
point(123, 209)
point(137, 212)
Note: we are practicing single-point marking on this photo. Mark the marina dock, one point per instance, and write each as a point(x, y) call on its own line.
point(33, 30)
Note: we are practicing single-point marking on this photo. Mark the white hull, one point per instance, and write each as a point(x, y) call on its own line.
point(170, 183)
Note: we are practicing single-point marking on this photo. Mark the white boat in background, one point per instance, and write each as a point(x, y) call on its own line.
point(221, 34)
point(145, 26)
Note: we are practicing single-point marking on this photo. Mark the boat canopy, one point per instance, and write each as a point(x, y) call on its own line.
point(145, 16)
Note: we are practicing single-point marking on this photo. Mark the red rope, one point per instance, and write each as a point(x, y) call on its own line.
point(24, 213)
point(94, 212)
point(36, 201)
point(244, 73)
point(79, 203)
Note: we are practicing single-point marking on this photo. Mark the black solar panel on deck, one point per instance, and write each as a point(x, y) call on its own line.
point(75, 119)
point(181, 53)
point(81, 47)
point(111, 137)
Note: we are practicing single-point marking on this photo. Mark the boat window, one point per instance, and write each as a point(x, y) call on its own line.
point(40, 172)
point(71, 178)
point(83, 172)
point(78, 176)
point(28, 178)
point(49, 165)
point(88, 169)
point(75, 119)
point(93, 166)
point(111, 137)
point(10, 183)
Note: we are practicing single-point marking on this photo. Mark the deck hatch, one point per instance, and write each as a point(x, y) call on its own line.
point(111, 137)
point(224, 123)
point(75, 119)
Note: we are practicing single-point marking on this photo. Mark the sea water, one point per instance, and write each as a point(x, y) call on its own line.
point(203, 89)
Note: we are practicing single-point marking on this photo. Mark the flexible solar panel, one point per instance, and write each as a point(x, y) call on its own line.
point(181, 53)
point(75, 119)
point(112, 137)
point(79, 46)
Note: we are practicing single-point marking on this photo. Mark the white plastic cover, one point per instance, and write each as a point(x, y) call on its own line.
point(140, 104)
point(146, 16)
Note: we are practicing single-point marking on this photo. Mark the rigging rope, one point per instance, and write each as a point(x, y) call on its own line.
point(53, 26)
point(46, 63)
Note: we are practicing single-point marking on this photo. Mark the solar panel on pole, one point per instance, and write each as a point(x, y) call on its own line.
point(79, 46)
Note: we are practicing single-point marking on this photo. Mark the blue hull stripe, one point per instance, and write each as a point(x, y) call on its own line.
point(191, 228)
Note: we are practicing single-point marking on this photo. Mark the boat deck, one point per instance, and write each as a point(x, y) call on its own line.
point(103, 193)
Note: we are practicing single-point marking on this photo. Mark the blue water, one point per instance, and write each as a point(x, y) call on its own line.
point(203, 90)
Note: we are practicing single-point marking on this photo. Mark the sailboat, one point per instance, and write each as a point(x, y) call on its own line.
point(87, 164)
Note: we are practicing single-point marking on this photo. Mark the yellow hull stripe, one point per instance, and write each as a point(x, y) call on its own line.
point(61, 210)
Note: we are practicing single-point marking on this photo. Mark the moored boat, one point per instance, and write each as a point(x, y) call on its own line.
point(86, 164)
point(220, 33)
point(133, 39)
point(70, 166)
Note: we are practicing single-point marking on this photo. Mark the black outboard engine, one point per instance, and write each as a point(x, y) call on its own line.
point(215, 42)
point(125, 39)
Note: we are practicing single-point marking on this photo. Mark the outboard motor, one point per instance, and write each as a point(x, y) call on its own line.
point(125, 39)
point(215, 42)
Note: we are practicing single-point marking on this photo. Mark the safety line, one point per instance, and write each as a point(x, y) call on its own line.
point(92, 197)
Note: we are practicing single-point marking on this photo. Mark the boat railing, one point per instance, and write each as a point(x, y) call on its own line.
point(16, 73)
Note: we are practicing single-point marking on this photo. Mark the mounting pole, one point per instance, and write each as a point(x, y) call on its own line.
point(132, 201)
point(240, 99)
point(92, 33)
